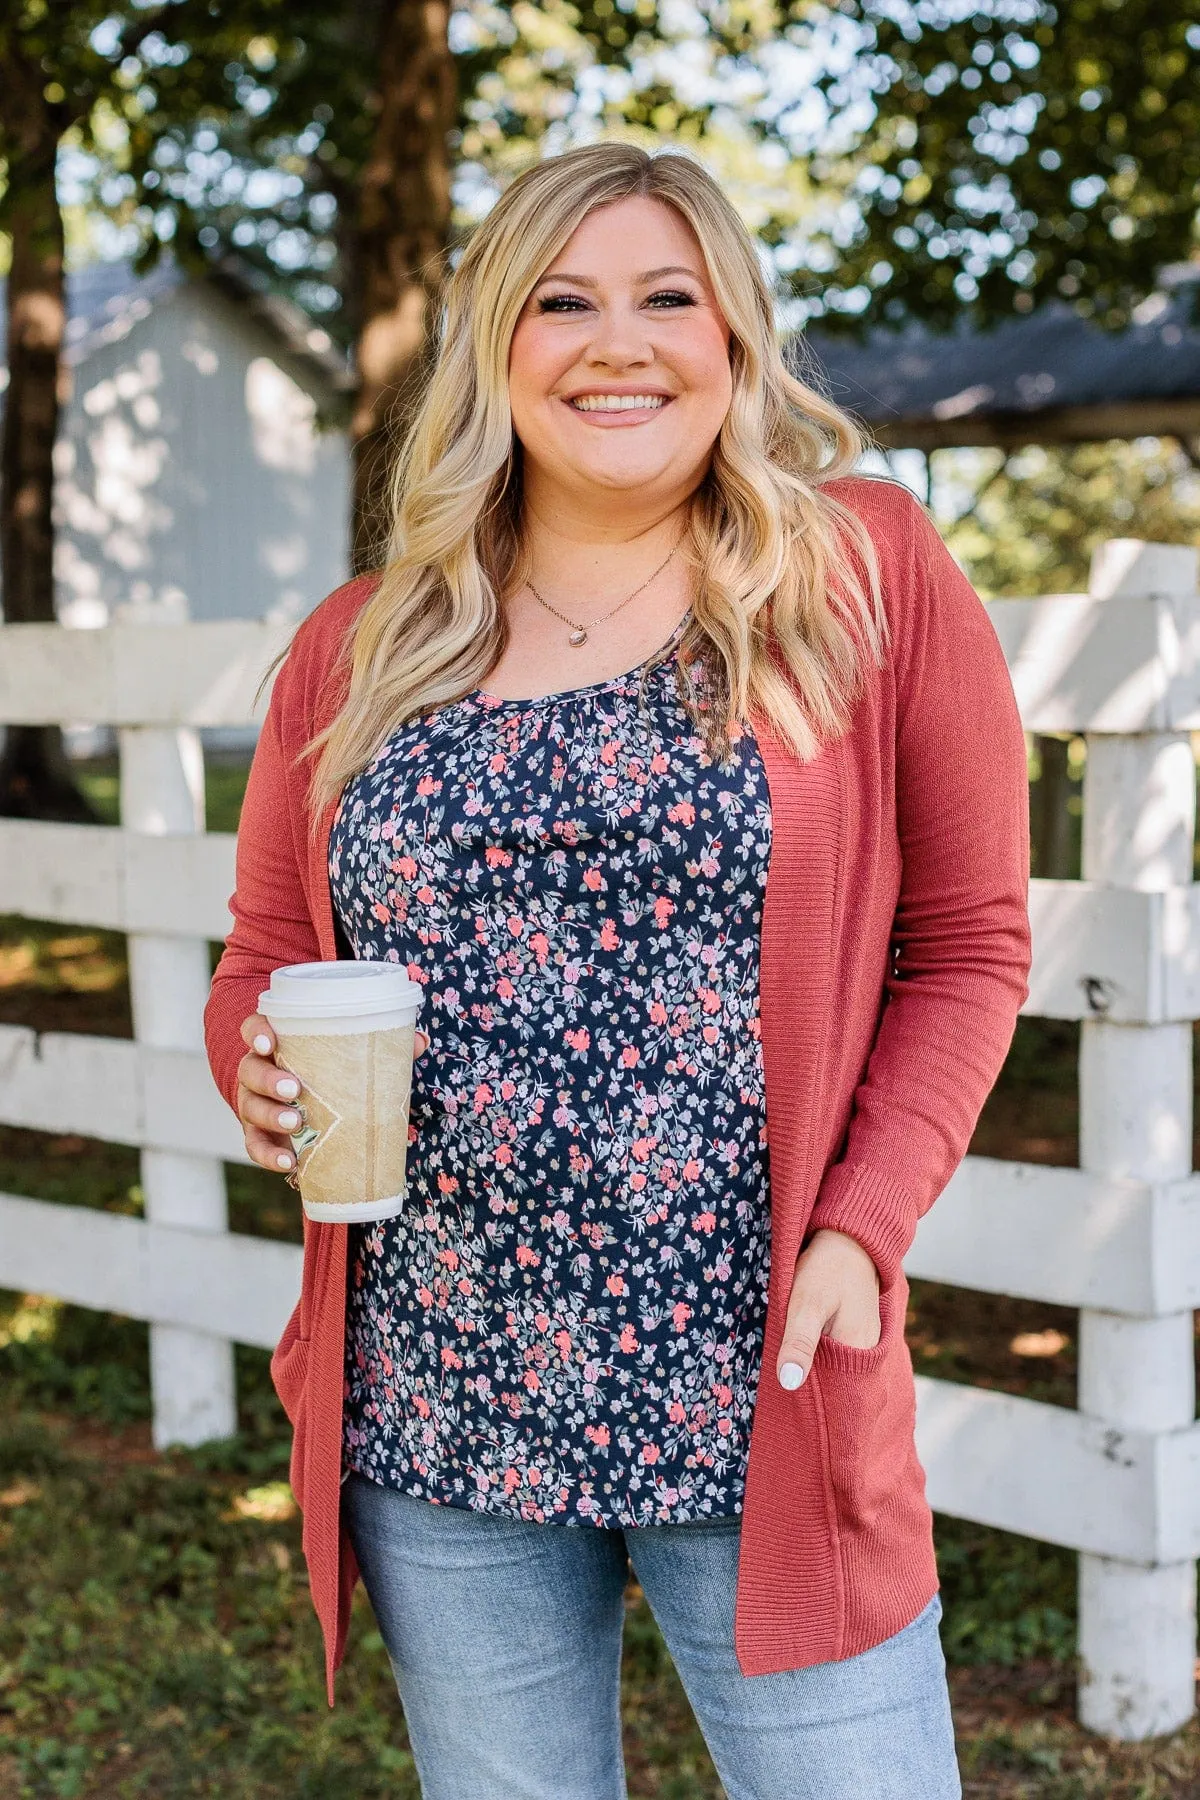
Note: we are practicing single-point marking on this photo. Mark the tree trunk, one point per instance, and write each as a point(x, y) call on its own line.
point(397, 246)
point(35, 776)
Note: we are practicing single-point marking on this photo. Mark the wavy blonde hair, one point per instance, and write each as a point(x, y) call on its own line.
point(786, 584)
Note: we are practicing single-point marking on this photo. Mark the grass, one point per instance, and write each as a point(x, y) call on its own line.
point(156, 1637)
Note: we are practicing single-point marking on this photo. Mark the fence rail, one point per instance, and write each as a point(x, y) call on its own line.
point(1117, 1480)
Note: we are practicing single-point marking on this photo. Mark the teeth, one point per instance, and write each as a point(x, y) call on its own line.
point(616, 402)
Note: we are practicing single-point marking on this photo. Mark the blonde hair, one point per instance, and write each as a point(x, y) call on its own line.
point(786, 600)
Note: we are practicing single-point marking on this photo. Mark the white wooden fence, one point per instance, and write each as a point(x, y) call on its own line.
point(1118, 1480)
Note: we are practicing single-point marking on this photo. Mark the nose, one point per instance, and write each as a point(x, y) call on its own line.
point(619, 339)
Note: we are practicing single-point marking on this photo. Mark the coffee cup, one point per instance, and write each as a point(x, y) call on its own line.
point(345, 1031)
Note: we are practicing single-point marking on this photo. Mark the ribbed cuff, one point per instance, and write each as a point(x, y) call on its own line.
point(870, 1207)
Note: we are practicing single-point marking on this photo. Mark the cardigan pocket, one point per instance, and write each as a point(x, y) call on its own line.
point(849, 1358)
point(289, 1373)
point(867, 1400)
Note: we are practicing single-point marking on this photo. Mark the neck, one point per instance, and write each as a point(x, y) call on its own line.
point(605, 544)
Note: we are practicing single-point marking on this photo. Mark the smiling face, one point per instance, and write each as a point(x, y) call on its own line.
point(619, 372)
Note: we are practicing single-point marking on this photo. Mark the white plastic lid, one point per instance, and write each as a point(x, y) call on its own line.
point(339, 990)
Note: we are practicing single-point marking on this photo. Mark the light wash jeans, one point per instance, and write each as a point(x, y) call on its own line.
point(505, 1640)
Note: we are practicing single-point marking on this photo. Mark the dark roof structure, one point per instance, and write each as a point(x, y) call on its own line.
point(1050, 377)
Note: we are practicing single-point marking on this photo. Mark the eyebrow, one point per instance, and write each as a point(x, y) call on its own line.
point(589, 281)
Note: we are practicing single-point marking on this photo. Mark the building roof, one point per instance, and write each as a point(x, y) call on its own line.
point(105, 299)
point(1050, 377)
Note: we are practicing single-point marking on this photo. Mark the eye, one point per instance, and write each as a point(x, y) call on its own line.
point(671, 297)
point(561, 303)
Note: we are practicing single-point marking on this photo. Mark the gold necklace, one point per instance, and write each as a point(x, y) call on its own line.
point(578, 634)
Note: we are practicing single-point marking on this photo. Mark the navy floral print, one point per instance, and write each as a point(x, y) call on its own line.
point(565, 1323)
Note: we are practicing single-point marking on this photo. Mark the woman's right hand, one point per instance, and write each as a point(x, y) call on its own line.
point(266, 1097)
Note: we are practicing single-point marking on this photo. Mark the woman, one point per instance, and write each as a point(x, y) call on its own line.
point(682, 767)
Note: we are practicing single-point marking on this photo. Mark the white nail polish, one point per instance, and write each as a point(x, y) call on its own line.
point(262, 1045)
point(791, 1376)
point(284, 1161)
point(288, 1121)
point(287, 1090)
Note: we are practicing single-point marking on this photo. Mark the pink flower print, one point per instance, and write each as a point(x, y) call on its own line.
point(447, 1184)
point(505, 989)
point(724, 1427)
point(424, 1295)
point(616, 1284)
point(637, 1181)
point(722, 1394)
point(482, 1096)
point(450, 1358)
point(422, 1406)
point(449, 1257)
point(710, 1034)
point(497, 857)
point(642, 1146)
point(427, 785)
point(630, 1056)
point(709, 866)
point(710, 1000)
point(562, 1343)
point(663, 908)
point(539, 943)
point(407, 867)
point(599, 1435)
point(527, 1257)
point(681, 1312)
point(507, 1089)
point(464, 1286)
point(504, 1155)
point(628, 1340)
point(389, 1367)
point(593, 879)
point(425, 895)
point(705, 1222)
point(532, 1380)
point(608, 936)
point(650, 1453)
point(580, 1039)
point(660, 762)
point(535, 1476)
point(516, 925)
point(608, 753)
point(682, 813)
point(658, 1013)
point(676, 1412)
point(542, 1321)
point(381, 913)
point(413, 971)
point(498, 763)
point(511, 1480)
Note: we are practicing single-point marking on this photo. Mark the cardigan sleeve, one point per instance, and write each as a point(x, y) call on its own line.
point(272, 923)
point(961, 941)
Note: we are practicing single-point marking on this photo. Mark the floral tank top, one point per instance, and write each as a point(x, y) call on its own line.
point(565, 1322)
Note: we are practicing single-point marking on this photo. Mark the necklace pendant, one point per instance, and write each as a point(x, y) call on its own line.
point(577, 637)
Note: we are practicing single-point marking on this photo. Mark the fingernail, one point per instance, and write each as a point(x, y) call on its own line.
point(283, 1160)
point(287, 1090)
point(262, 1045)
point(791, 1376)
point(288, 1121)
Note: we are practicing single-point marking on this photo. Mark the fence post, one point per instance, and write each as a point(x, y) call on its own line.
point(1137, 1623)
point(191, 1372)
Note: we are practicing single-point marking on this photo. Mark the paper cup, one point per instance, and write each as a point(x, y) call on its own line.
point(345, 1031)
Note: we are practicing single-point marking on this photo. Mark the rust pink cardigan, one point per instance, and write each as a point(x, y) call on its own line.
point(895, 952)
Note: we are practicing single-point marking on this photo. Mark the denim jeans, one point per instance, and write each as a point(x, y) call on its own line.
point(505, 1640)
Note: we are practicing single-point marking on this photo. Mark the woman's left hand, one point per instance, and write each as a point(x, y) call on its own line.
point(835, 1291)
